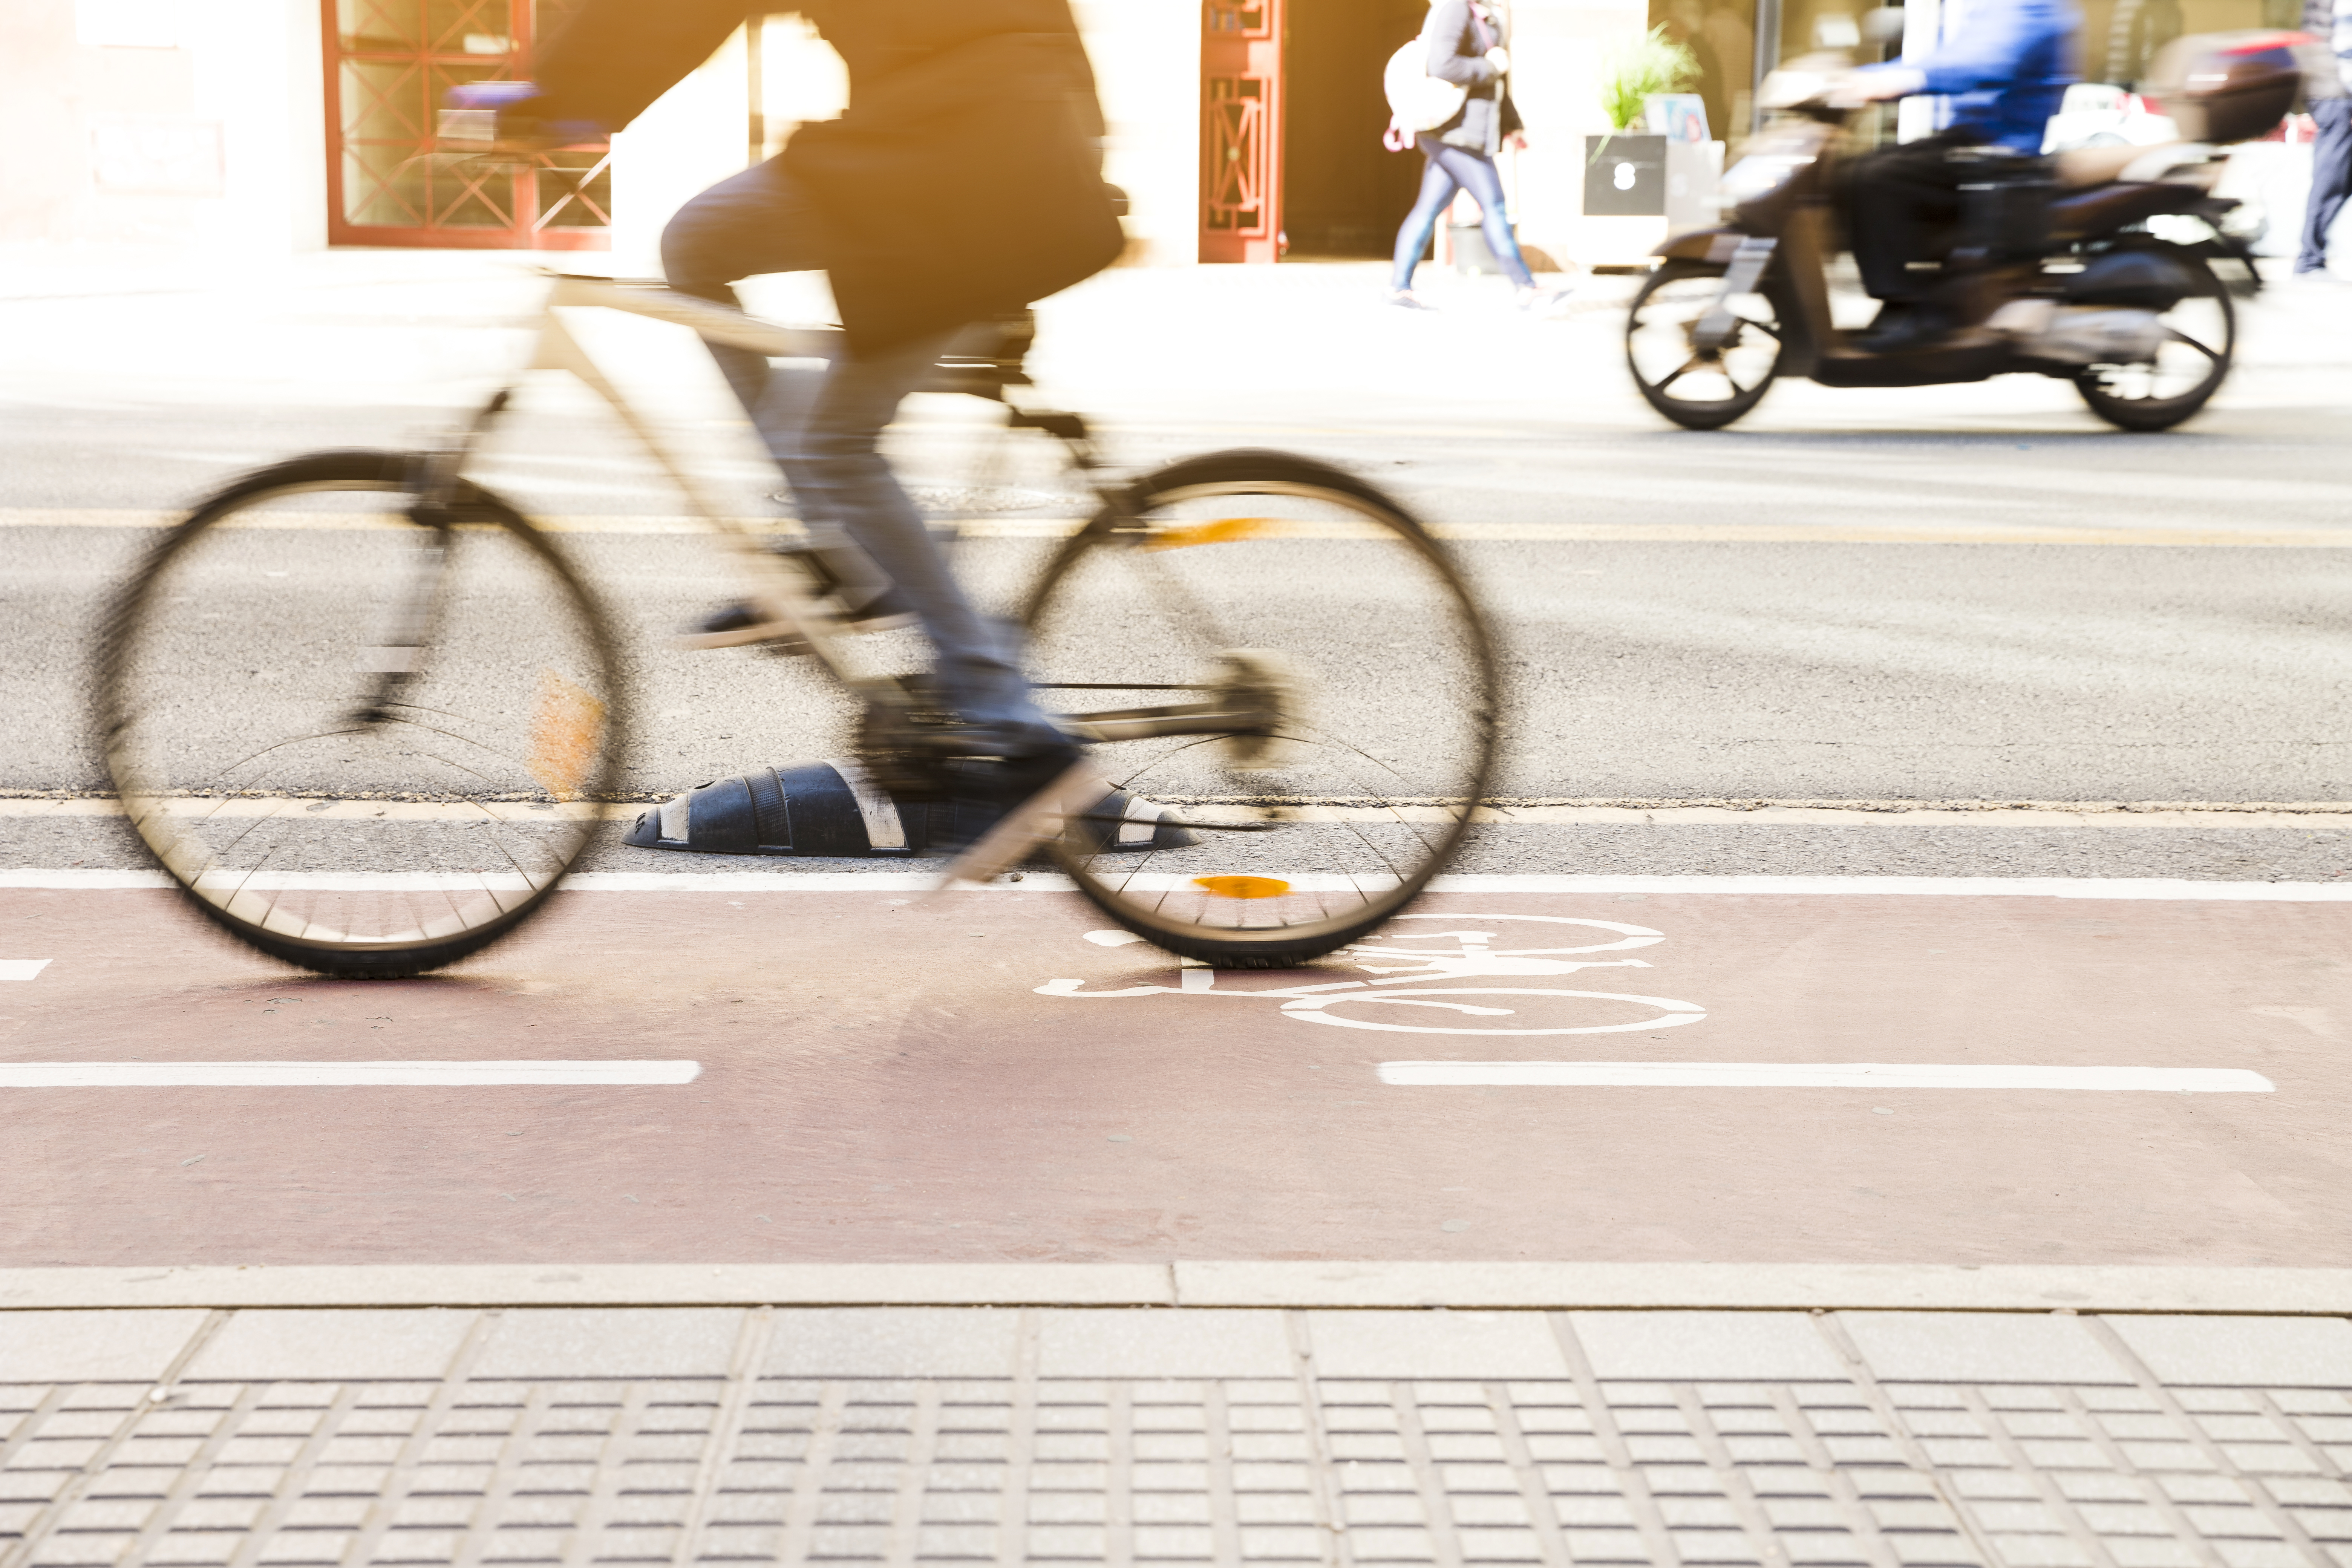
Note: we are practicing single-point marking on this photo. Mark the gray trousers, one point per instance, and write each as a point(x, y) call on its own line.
point(823, 427)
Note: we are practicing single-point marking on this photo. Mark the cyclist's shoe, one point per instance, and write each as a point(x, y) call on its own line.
point(863, 603)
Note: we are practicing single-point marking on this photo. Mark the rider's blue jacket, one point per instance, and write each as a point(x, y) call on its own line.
point(2005, 70)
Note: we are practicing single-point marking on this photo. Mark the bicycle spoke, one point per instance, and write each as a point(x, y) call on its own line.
point(234, 798)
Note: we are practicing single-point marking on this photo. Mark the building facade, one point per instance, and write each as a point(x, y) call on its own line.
point(1244, 131)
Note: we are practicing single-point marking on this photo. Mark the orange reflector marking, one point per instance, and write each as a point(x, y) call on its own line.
point(1225, 531)
point(1243, 887)
point(563, 735)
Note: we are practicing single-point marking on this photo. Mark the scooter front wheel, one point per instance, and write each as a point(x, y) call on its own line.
point(2188, 366)
point(1701, 389)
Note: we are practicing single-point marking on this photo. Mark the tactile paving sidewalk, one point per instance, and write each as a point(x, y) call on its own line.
point(913, 1434)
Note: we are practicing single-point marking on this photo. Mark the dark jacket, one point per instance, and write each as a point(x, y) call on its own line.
point(963, 181)
point(1457, 53)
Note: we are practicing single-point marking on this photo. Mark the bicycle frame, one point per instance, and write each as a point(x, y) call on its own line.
point(781, 591)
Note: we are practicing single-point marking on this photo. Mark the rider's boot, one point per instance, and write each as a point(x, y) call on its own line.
point(1905, 324)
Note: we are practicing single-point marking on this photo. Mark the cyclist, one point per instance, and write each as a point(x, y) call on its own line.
point(963, 182)
point(2006, 70)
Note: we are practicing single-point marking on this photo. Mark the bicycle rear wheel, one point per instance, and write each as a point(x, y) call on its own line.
point(362, 745)
point(1257, 641)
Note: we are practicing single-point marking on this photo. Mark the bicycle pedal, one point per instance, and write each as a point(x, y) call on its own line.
point(1044, 815)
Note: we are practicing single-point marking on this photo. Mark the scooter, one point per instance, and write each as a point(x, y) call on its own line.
point(2103, 266)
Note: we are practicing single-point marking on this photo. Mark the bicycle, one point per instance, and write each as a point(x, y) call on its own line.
point(371, 740)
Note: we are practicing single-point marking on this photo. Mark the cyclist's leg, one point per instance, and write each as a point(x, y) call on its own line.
point(1478, 176)
point(824, 430)
point(848, 481)
point(750, 224)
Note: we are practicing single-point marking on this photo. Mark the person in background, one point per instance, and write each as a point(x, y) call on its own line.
point(1466, 45)
point(2006, 72)
point(2329, 21)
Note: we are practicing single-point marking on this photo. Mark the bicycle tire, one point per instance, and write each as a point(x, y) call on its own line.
point(1460, 663)
point(1693, 414)
point(136, 634)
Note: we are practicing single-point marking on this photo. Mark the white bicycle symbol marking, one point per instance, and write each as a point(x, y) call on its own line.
point(1473, 955)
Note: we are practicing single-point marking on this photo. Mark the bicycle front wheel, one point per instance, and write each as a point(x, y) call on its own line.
point(362, 745)
point(1275, 651)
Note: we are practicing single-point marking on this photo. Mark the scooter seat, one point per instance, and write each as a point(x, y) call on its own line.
point(2107, 207)
point(2085, 167)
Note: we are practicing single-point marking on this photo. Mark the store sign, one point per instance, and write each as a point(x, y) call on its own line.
point(155, 154)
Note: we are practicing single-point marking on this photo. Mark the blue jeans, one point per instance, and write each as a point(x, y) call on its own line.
point(2331, 179)
point(1444, 171)
point(823, 427)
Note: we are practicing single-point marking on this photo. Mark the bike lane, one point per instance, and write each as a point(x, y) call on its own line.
point(875, 1075)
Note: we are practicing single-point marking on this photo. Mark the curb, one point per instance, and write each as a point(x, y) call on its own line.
point(1527, 1287)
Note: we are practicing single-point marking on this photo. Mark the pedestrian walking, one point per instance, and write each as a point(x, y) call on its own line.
point(2329, 21)
point(1466, 43)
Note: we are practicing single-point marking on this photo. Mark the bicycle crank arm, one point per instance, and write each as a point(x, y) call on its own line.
point(1125, 821)
point(1178, 719)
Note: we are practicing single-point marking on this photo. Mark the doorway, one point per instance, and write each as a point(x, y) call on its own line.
point(1344, 193)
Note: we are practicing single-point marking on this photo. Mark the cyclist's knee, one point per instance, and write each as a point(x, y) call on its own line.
point(690, 260)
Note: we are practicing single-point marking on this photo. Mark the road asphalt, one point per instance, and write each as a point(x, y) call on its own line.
point(1907, 929)
point(1944, 595)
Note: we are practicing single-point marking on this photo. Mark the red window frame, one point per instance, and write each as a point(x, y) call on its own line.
point(529, 197)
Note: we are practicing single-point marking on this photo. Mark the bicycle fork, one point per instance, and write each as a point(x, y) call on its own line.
point(398, 655)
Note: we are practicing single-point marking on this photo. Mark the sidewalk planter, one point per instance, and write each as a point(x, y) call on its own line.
point(1625, 176)
point(1640, 189)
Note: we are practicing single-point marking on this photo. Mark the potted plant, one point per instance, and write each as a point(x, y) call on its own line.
point(1625, 174)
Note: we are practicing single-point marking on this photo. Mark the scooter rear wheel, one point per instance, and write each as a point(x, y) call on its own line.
point(1701, 390)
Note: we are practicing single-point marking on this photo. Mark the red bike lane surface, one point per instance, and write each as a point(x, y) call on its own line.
point(881, 1080)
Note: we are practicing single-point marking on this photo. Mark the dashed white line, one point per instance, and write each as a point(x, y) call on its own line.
point(340, 1075)
point(1818, 1075)
point(21, 968)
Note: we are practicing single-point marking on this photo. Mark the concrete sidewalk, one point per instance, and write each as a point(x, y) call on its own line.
point(1130, 1433)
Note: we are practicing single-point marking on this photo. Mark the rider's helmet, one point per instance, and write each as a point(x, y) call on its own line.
point(2228, 87)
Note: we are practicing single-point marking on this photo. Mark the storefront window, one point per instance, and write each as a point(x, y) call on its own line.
point(389, 63)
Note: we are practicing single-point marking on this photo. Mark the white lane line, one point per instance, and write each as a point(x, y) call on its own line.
point(1817, 1075)
point(21, 968)
point(792, 881)
point(995, 527)
point(340, 1075)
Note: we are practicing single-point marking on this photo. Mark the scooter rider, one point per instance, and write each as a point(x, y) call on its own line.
point(2005, 72)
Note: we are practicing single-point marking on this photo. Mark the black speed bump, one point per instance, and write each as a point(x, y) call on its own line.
point(834, 809)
